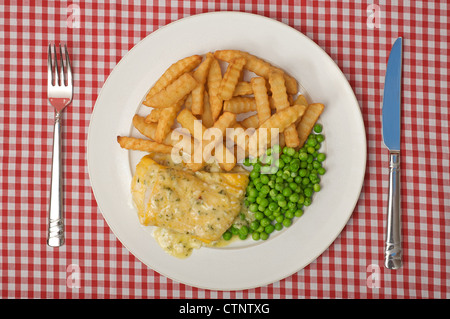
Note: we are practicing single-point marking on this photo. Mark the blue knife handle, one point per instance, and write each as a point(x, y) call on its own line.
point(393, 253)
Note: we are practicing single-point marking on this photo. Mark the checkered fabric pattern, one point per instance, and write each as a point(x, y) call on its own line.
point(358, 36)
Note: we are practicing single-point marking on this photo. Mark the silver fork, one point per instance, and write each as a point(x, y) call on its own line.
point(59, 92)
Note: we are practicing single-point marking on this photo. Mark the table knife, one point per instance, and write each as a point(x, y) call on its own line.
point(391, 138)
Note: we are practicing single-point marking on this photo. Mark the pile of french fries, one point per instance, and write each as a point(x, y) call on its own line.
point(194, 92)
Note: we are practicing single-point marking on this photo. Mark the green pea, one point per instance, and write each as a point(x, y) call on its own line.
point(320, 138)
point(264, 222)
point(253, 193)
point(282, 203)
point(243, 230)
point(311, 142)
point(294, 165)
point(317, 128)
point(227, 235)
point(273, 193)
point(289, 215)
point(294, 197)
point(287, 222)
point(321, 157)
point(316, 164)
point(255, 236)
point(264, 179)
point(321, 170)
point(302, 156)
point(265, 189)
point(259, 215)
point(254, 174)
point(276, 148)
point(264, 202)
point(298, 213)
point(287, 192)
point(308, 192)
point(316, 187)
point(260, 229)
point(290, 151)
point(301, 200)
point(263, 236)
point(269, 229)
point(243, 236)
point(286, 159)
point(273, 206)
point(278, 226)
point(253, 208)
point(254, 225)
point(302, 173)
point(265, 170)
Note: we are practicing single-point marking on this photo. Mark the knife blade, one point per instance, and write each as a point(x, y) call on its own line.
point(391, 113)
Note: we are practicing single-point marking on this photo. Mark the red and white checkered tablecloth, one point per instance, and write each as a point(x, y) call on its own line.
point(356, 34)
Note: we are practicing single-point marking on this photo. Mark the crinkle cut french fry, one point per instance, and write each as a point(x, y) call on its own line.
point(227, 119)
point(153, 116)
point(291, 136)
point(301, 100)
point(240, 104)
point(197, 96)
point(250, 122)
point(261, 98)
point(280, 120)
point(212, 139)
point(149, 130)
point(257, 65)
point(214, 80)
point(173, 93)
point(200, 75)
point(278, 88)
point(308, 120)
point(231, 78)
point(174, 72)
point(206, 116)
point(281, 101)
point(139, 144)
point(189, 122)
point(166, 121)
point(243, 88)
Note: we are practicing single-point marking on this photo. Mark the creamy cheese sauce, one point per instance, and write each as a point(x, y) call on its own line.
point(190, 209)
point(174, 243)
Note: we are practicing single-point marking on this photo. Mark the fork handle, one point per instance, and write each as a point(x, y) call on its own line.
point(55, 236)
point(393, 252)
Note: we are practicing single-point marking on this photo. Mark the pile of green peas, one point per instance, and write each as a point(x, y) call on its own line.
point(281, 184)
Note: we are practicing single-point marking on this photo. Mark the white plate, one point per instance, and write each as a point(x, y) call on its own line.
point(241, 265)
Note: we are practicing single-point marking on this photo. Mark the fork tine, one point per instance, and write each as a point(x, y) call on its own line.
point(63, 68)
point(69, 68)
point(57, 77)
point(50, 66)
